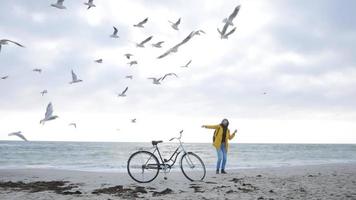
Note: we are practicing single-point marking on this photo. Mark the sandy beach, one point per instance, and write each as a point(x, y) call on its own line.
point(336, 181)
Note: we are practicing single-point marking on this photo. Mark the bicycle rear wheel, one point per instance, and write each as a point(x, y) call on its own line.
point(143, 166)
point(192, 167)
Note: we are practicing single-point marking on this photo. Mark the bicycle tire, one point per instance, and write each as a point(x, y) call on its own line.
point(133, 156)
point(200, 161)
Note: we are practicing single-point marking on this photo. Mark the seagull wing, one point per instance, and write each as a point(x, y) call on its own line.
point(178, 22)
point(49, 111)
point(74, 76)
point(231, 32)
point(123, 92)
point(165, 54)
point(188, 63)
point(91, 1)
point(115, 30)
point(187, 38)
point(234, 13)
point(144, 21)
point(18, 44)
point(60, 2)
point(159, 43)
point(146, 40)
point(18, 134)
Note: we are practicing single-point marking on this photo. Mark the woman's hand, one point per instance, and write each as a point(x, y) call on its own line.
point(235, 131)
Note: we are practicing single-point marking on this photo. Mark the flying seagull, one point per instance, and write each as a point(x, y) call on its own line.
point(49, 114)
point(129, 77)
point(186, 65)
point(232, 16)
point(155, 81)
point(44, 92)
point(133, 120)
point(18, 134)
point(90, 4)
point(128, 55)
point(123, 93)
point(74, 78)
point(169, 74)
point(175, 24)
point(59, 4)
point(141, 44)
point(4, 77)
point(140, 24)
point(174, 49)
point(99, 61)
point(73, 124)
point(6, 42)
point(158, 44)
point(134, 62)
point(37, 70)
point(114, 34)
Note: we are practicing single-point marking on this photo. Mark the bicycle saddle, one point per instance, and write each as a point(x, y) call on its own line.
point(156, 142)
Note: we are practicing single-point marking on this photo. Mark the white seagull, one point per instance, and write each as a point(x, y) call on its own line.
point(232, 16)
point(49, 114)
point(90, 4)
point(155, 81)
point(141, 23)
point(141, 44)
point(18, 134)
point(133, 120)
point(59, 4)
point(128, 55)
point(73, 124)
point(44, 92)
point(134, 62)
point(114, 34)
point(4, 77)
point(158, 44)
point(129, 77)
point(37, 70)
point(99, 61)
point(187, 65)
point(74, 78)
point(6, 42)
point(198, 32)
point(123, 93)
point(175, 24)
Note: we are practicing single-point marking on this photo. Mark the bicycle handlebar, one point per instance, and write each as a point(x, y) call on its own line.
point(178, 138)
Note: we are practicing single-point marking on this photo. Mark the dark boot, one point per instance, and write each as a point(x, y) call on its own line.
point(223, 171)
point(217, 171)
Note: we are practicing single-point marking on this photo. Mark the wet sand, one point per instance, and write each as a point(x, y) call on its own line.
point(337, 181)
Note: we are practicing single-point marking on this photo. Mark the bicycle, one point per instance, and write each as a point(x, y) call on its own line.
point(144, 166)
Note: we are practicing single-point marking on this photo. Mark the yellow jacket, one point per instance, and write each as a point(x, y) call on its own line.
point(218, 135)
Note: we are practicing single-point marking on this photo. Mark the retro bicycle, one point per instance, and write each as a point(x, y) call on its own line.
point(144, 166)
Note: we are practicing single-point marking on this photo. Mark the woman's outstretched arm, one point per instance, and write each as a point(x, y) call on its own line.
point(211, 126)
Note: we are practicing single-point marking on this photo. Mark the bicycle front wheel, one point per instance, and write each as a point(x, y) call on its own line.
point(192, 167)
point(143, 166)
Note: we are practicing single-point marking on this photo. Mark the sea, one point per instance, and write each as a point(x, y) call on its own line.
point(113, 156)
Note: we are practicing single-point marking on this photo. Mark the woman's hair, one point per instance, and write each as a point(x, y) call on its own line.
point(225, 121)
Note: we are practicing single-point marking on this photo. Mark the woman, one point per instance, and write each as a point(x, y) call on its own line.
point(221, 142)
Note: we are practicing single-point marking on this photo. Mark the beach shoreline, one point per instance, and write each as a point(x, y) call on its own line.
point(327, 181)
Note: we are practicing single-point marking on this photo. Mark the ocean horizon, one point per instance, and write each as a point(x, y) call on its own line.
point(113, 156)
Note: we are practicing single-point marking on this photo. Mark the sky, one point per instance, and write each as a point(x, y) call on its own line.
point(287, 75)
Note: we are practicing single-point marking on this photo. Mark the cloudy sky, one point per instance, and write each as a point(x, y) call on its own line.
point(288, 73)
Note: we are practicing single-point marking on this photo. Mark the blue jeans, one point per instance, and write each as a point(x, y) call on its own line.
point(222, 157)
